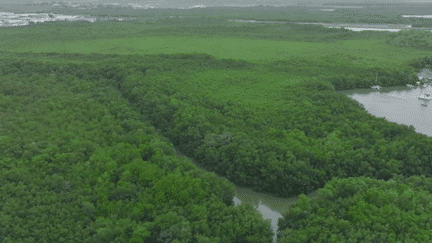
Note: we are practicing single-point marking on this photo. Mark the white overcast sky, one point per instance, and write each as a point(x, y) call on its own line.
point(212, 2)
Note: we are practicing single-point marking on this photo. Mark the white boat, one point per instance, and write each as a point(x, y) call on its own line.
point(418, 83)
point(409, 85)
point(376, 81)
point(425, 97)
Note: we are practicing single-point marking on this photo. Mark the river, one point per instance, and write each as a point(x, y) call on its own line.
point(11, 19)
point(351, 26)
point(398, 104)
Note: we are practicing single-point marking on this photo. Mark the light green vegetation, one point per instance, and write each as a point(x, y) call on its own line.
point(257, 86)
point(368, 52)
point(252, 87)
point(357, 207)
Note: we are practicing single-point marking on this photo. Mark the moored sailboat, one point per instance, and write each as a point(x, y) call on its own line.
point(425, 97)
point(376, 86)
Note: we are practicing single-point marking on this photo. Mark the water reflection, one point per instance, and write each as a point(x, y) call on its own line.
point(257, 21)
point(349, 26)
point(400, 104)
point(417, 16)
point(8, 19)
point(269, 206)
point(397, 104)
point(364, 27)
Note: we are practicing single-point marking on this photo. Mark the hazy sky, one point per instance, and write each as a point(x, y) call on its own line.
point(188, 3)
point(212, 2)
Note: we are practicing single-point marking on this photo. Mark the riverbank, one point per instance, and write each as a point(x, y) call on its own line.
point(269, 205)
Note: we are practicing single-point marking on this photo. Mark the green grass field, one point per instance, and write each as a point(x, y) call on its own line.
point(256, 51)
point(257, 86)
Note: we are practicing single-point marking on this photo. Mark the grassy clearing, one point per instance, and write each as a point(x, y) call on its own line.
point(252, 87)
point(278, 62)
point(256, 88)
point(351, 52)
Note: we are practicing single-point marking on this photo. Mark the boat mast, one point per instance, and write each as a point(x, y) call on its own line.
point(376, 78)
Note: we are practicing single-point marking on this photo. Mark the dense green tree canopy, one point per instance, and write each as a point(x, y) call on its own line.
point(76, 168)
point(89, 143)
point(362, 210)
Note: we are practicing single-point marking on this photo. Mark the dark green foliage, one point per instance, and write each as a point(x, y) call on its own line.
point(412, 38)
point(371, 77)
point(71, 173)
point(142, 172)
point(218, 140)
point(122, 194)
point(200, 132)
point(362, 210)
point(198, 126)
point(194, 56)
point(423, 62)
point(315, 84)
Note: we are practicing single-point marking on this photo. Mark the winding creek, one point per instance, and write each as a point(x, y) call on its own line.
point(270, 206)
point(398, 104)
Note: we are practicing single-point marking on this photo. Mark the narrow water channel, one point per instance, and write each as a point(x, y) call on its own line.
point(398, 104)
point(270, 206)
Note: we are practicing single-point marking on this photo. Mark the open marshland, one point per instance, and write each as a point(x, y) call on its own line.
point(275, 58)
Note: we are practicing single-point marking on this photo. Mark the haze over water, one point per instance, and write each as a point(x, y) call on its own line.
point(210, 3)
